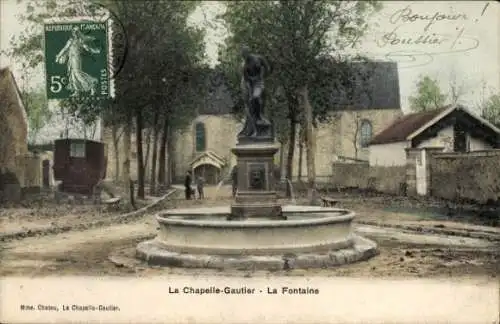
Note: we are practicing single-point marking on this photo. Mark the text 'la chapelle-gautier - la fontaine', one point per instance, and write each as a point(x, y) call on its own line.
point(213, 290)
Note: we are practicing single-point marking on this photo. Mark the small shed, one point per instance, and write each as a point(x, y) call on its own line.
point(79, 164)
point(451, 128)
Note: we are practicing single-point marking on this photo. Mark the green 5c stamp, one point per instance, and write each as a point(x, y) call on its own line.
point(77, 58)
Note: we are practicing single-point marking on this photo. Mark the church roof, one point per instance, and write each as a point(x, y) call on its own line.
point(363, 85)
point(366, 85)
point(217, 100)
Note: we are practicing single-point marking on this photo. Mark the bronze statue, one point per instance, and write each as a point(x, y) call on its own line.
point(255, 68)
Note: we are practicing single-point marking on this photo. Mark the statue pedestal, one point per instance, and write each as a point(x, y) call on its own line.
point(256, 196)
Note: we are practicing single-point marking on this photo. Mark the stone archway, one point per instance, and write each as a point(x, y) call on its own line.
point(208, 165)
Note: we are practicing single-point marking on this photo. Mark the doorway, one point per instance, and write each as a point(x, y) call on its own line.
point(46, 173)
point(460, 143)
point(209, 172)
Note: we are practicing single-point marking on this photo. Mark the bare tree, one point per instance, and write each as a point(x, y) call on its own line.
point(356, 136)
point(457, 88)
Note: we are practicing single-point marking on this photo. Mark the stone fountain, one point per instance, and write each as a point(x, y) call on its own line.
point(256, 231)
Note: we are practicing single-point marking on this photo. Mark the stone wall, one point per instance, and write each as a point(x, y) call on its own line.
point(350, 175)
point(361, 175)
point(388, 179)
point(337, 138)
point(473, 175)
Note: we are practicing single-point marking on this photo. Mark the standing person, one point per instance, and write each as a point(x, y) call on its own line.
point(234, 179)
point(187, 185)
point(199, 185)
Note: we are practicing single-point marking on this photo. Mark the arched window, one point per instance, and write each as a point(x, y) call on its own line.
point(365, 133)
point(200, 137)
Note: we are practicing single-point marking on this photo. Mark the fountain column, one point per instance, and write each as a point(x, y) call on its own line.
point(256, 196)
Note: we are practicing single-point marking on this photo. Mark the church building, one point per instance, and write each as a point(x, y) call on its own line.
point(204, 147)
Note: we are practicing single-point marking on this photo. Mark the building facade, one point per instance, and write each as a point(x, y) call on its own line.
point(205, 145)
point(450, 129)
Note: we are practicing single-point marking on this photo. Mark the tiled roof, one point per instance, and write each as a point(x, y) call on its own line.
point(217, 100)
point(402, 127)
point(370, 85)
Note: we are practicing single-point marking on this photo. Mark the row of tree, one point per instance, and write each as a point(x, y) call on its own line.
point(304, 41)
point(158, 65)
point(161, 72)
point(429, 96)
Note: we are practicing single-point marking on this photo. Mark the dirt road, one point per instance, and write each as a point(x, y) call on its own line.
point(401, 255)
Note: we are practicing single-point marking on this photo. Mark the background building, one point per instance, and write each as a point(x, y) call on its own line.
point(205, 145)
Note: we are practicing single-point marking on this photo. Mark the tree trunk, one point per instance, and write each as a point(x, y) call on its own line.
point(170, 156)
point(310, 143)
point(355, 136)
point(116, 150)
point(301, 158)
point(140, 156)
point(149, 134)
point(131, 195)
point(156, 130)
point(289, 159)
point(282, 159)
point(301, 151)
point(127, 132)
point(162, 155)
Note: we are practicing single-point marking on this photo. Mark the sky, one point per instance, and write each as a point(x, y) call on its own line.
point(455, 42)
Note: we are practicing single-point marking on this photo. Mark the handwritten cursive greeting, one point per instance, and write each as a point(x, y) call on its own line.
point(407, 15)
point(412, 38)
point(421, 45)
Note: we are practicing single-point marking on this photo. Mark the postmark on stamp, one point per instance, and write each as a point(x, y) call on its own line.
point(78, 53)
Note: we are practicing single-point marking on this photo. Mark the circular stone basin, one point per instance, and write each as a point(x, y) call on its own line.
point(311, 236)
point(206, 231)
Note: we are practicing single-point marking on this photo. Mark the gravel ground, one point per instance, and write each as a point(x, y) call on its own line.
point(88, 253)
point(109, 249)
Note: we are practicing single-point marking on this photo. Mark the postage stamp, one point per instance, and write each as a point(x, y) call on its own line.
point(78, 54)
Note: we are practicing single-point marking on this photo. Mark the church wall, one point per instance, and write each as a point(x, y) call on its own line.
point(334, 139)
point(221, 134)
point(380, 119)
